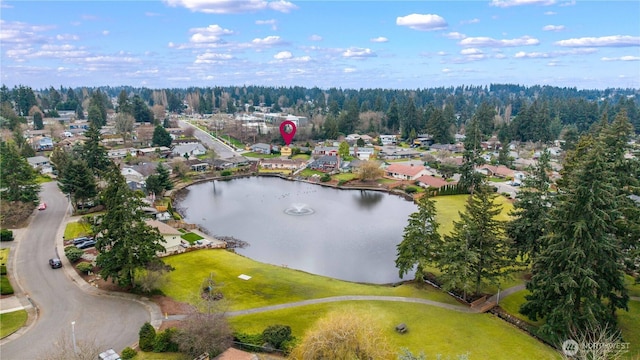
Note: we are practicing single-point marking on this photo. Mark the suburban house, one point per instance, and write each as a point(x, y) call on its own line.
point(135, 180)
point(326, 163)
point(388, 140)
point(392, 153)
point(170, 234)
point(405, 172)
point(197, 165)
point(189, 150)
point(447, 147)
point(40, 163)
point(362, 153)
point(325, 150)
point(221, 164)
point(261, 148)
point(45, 143)
point(284, 164)
point(499, 171)
point(120, 153)
point(430, 181)
point(161, 151)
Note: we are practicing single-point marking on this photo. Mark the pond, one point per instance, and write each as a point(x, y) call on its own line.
point(344, 234)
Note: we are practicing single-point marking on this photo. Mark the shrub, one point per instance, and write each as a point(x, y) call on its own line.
point(3, 269)
point(341, 182)
point(164, 341)
point(84, 267)
point(250, 342)
point(226, 173)
point(325, 178)
point(73, 253)
point(410, 189)
point(147, 337)
point(5, 286)
point(128, 353)
point(276, 335)
point(6, 235)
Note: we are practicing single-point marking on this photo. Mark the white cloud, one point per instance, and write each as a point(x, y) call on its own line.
point(531, 55)
point(422, 22)
point(500, 56)
point(349, 70)
point(442, 53)
point(380, 39)
point(212, 58)
point(622, 58)
point(315, 37)
point(455, 35)
point(105, 32)
point(490, 42)
point(510, 3)
point(549, 13)
point(67, 37)
point(553, 54)
point(231, 6)
point(272, 22)
point(471, 51)
point(472, 21)
point(267, 41)
point(603, 41)
point(282, 55)
point(210, 34)
point(446, 70)
point(567, 3)
point(553, 28)
point(358, 53)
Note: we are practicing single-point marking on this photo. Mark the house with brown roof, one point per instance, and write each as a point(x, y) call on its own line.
point(433, 182)
point(500, 171)
point(405, 172)
point(170, 234)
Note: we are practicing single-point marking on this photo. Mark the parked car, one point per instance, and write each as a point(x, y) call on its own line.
point(42, 206)
point(80, 240)
point(87, 244)
point(55, 263)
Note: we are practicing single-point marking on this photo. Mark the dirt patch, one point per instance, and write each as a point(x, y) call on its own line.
point(16, 214)
point(169, 306)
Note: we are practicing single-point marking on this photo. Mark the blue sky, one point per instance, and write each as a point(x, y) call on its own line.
point(347, 44)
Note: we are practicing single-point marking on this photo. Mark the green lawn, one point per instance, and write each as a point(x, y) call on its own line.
point(260, 155)
point(12, 321)
point(450, 206)
point(4, 256)
point(301, 157)
point(191, 237)
point(345, 176)
point(157, 356)
point(432, 330)
point(309, 173)
point(634, 289)
point(76, 229)
point(511, 304)
point(269, 284)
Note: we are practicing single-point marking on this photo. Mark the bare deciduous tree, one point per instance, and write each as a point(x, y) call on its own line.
point(63, 348)
point(370, 170)
point(158, 112)
point(200, 333)
point(595, 344)
point(189, 131)
point(124, 125)
point(344, 335)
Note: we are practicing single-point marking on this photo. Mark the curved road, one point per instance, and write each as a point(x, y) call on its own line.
point(107, 321)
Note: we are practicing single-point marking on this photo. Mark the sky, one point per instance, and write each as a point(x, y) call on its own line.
point(342, 44)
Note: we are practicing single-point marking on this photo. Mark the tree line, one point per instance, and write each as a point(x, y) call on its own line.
point(577, 238)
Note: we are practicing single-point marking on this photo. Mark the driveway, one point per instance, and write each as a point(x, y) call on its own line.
point(60, 297)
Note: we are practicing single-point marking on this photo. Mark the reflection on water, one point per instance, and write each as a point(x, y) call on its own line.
point(346, 234)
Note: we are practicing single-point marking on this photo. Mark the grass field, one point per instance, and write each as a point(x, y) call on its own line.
point(76, 229)
point(309, 173)
point(12, 321)
point(345, 176)
point(4, 256)
point(450, 206)
point(269, 284)
point(191, 237)
point(252, 154)
point(432, 330)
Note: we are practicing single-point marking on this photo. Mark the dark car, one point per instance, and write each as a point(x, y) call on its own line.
point(55, 263)
point(87, 244)
point(80, 240)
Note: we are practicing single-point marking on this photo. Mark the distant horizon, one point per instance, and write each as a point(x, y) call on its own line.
point(396, 45)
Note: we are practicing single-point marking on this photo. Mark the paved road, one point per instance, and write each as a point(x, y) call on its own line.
point(109, 321)
point(222, 150)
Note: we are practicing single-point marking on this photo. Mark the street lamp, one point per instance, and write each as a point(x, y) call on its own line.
point(73, 336)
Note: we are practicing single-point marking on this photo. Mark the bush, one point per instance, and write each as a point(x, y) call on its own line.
point(5, 286)
point(325, 178)
point(250, 342)
point(226, 173)
point(73, 253)
point(84, 267)
point(128, 353)
point(410, 189)
point(164, 341)
point(147, 337)
point(6, 235)
point(276, 335)
point(3, 269)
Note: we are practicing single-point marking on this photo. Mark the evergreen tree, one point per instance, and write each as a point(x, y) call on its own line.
point(479, 240)
point(161, 137)
point(93, 152)
point(421, 241)
point(17, 177)
point(410, 124)
point(393, 117)
point(343, 149)
point(125, 242)
point(470, 178)
point(531, 210)
point(78, 181)
point(163, 173)
point(577, 280)
point(330, 127)
point(37, 121)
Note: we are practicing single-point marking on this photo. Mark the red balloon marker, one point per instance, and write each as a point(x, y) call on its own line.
point(287, 130)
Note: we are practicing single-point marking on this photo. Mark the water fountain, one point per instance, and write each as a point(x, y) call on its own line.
point(299, 209)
